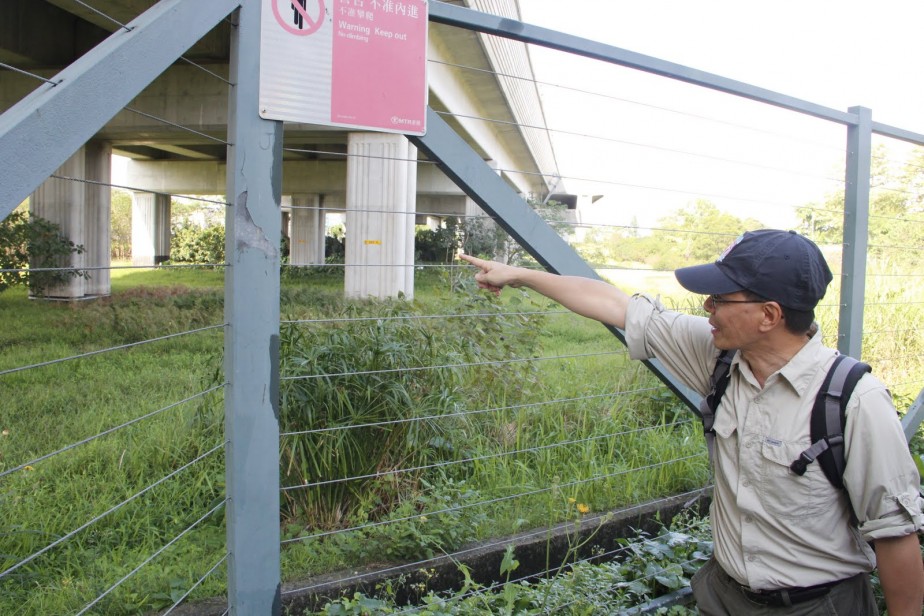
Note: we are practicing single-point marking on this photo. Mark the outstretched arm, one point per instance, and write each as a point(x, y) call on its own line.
point(587, 297)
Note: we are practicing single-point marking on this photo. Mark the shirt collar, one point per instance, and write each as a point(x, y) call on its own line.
point(801, 369)
point(799, 372)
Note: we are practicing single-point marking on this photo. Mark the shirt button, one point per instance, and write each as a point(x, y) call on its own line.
point(748, 519)
point(746, 483)
point(751, 558)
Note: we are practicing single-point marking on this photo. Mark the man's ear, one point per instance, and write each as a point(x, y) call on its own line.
point(773, 316)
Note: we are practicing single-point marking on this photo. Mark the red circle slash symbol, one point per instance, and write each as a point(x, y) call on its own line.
point(299, 22)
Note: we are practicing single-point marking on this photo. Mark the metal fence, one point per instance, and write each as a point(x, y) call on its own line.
point(140, 474)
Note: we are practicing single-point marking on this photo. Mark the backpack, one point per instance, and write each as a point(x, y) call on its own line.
point(828, 414)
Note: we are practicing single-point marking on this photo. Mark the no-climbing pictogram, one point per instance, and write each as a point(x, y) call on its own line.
point(295, 18)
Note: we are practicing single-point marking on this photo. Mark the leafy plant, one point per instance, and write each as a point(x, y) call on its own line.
point(482, 236)
point(191, 243)
point(30, 243)
point(648, 567)
point(437, 245)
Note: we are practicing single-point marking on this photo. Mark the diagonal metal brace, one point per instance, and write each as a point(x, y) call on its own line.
point(470, 173)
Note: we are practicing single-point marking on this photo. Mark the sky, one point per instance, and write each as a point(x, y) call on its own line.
point(651, 145)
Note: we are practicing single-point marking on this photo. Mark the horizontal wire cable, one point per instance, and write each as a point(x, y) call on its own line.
point(369, 210)
point(913, 382)
point(888, 247)
point(491, 501)
point(129, 29)
point(892, 331)
point(179, 126)
point(481, 546)
point(872, 216)
point(99, 268)
point(892, 358)
point(563, 223)
point(599, 181)
point(120, 347)
point(642, 145)
point(422, 317)
point(492, 456)
point(154, 413)
point(906, 303)
point(472, 413)
point(450, 266)
point(630, 101)
point(202, 579)
point(875, 275)
point(149, 559)
point(206, 70)
point(109, 511)
point(142, 190)
point(400, 159)
point(460, 365)
point(28, 74)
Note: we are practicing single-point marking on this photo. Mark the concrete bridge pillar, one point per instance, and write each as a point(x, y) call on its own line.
point(306, 235)
point(150, 228)
point(82, 210)
point(381, 189)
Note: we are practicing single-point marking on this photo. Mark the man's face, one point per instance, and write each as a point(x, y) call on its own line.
point(735, 319)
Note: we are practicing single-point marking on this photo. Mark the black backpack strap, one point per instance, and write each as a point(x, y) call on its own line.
point(828, 418)
point(709, 404)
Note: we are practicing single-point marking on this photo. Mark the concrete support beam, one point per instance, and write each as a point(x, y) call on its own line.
point(300, 177)
point(306, 231)
point(381, 189)
point(150, 228)
point(82, 210)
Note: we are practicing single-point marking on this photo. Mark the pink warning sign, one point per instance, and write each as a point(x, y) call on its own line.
point(351, 63)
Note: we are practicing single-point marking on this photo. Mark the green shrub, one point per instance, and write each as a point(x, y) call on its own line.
point(437, 245)
point(31, 242)
point(193, 244)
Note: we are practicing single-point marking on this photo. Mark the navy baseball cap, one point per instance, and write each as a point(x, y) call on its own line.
point(782, 266)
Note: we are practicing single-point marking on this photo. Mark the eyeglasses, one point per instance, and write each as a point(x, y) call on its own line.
point(718, 301)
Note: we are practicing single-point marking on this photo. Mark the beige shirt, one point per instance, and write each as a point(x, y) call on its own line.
point(772, 528)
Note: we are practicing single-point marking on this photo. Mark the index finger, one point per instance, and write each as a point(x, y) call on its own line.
point(473, 260)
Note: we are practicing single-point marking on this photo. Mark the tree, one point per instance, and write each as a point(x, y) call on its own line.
point(684, 240)
point(895, 207)
point(121, 224)
point(482, 236)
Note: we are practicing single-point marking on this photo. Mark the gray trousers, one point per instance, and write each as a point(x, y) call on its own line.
point(717, 594)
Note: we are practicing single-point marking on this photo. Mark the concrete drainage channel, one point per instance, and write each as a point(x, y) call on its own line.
point(531, 549)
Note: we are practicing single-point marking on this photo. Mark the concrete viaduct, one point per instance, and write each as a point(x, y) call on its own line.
point(175, 132)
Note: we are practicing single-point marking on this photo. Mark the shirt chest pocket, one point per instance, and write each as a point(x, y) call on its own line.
point(784, 493)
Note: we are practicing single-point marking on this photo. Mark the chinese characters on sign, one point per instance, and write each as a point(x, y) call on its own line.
point(349, 63)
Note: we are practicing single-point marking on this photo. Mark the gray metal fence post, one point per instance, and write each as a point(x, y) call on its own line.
point(253, 228)
point(856, 233)
point(913, 417)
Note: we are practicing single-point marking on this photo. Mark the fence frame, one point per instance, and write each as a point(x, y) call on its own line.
point(46, 127)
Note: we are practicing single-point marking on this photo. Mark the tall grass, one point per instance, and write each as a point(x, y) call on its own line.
point(60, 405)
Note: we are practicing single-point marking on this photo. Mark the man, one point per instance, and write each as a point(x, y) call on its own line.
point(783, 543)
